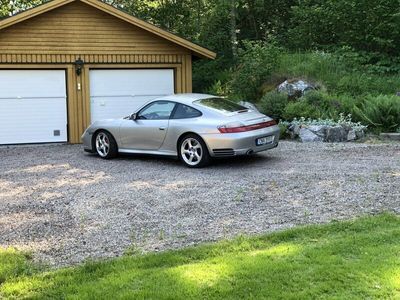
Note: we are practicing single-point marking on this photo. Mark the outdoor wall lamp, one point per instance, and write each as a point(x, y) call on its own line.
point(79, 65)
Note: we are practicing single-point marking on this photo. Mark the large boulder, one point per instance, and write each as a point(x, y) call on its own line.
point(335, 134)
point(324, 133)
point(319, 130)
point(295, 88)
point(306, 135)
point(351, 135)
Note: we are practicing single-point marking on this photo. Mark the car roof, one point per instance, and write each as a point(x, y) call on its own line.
point(187, 98)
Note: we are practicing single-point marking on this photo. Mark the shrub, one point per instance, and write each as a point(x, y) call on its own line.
point(382, 112)
point(283, 126)
point(257, 60)
point(300, 109)
point(273, 104)
point(314, 105)
point(318, 104)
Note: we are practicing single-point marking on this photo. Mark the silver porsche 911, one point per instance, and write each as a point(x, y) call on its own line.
point(194, 127)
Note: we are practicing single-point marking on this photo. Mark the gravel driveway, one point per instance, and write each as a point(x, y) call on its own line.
point(67, 206)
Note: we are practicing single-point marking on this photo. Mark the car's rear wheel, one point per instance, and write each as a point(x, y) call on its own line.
point(105, 144)
point(193, 151)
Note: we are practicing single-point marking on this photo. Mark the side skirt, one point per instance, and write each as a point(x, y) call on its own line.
point(151, 152)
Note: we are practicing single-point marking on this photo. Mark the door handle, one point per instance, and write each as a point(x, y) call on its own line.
point(161, 128)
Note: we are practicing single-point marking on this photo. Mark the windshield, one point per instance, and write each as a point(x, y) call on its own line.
point(222, 105)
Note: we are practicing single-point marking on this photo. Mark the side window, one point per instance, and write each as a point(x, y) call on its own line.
point(159, 110)
point(184, 112)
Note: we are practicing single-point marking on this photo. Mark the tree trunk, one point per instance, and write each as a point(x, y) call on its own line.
point(234, 41)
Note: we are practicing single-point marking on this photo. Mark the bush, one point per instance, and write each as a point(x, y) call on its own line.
point(381, 113)
point(300, 109)
point(313, 105)
point(257, 60)
point(283, 127)
point(318, 104)
point(273, 104)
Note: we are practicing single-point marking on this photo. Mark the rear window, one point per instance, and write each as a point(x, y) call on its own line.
point(222, 105)
point(184, 112)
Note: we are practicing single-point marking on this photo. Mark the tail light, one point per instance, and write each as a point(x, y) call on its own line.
point(240, 127)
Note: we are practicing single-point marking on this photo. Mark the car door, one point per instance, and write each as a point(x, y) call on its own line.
point(148, 130)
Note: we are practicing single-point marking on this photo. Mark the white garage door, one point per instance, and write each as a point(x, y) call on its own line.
point(118, 93)
point(33, 106)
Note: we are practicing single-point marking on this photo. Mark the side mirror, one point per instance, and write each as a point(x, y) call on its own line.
point(134, 116)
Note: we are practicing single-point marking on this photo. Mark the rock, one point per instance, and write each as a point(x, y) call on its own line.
point(294, 130)
point(307, 135)
point(295, 88)
point(335, 134)
point(360, 134)
point(351, 135)
point(319, 130)
point(249, 105)
point(398, 94)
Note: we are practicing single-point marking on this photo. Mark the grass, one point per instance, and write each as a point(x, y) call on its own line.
point(357, 259)
point(336, 76)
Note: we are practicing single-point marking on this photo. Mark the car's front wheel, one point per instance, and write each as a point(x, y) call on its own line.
point(193, 151)
point(105, 144)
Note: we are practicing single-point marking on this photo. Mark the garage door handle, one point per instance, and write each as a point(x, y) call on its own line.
point(161, 128)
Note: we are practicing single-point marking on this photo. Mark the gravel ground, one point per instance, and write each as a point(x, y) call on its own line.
point(67, 206)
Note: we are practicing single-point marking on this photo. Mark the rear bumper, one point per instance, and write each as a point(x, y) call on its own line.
point(232, 144)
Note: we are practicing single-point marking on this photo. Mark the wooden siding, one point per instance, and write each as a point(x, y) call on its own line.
point(78, 28)
point(56, 39)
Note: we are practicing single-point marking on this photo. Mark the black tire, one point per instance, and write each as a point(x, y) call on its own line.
point(200, 155)
point(101, 139)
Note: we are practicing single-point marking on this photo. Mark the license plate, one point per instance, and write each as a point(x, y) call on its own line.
point(264, 140)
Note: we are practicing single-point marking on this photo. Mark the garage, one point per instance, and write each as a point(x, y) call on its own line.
point(33, 106)
point(118, 93)
point(67, 63)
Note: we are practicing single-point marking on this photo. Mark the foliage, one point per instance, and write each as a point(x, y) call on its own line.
point(380, 112)
point(257, 60)
point(273, 104)
point(300, 109)
point(9, 7)
point(366, 25)
point(302, 263)
point(208, 76)
point(369, 62)
point(335, 74)
point(318, 105)
point(344, 120)
point(283, 128)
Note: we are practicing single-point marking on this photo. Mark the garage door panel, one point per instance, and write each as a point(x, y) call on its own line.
point(116, 107)
point(118, 93)
point(32, 83)
point(32, 107)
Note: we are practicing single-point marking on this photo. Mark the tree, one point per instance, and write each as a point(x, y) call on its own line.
point(10, 7)
point(367, 25)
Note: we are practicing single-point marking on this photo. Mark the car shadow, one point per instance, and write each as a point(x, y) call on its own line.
point(235, 161)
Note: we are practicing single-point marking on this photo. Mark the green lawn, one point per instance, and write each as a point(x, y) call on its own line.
point(343, 260)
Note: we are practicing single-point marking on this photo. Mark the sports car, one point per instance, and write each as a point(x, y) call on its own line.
point(193, 127)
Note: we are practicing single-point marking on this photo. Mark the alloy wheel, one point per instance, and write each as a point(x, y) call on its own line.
point(102, 144)
point(191, 151)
